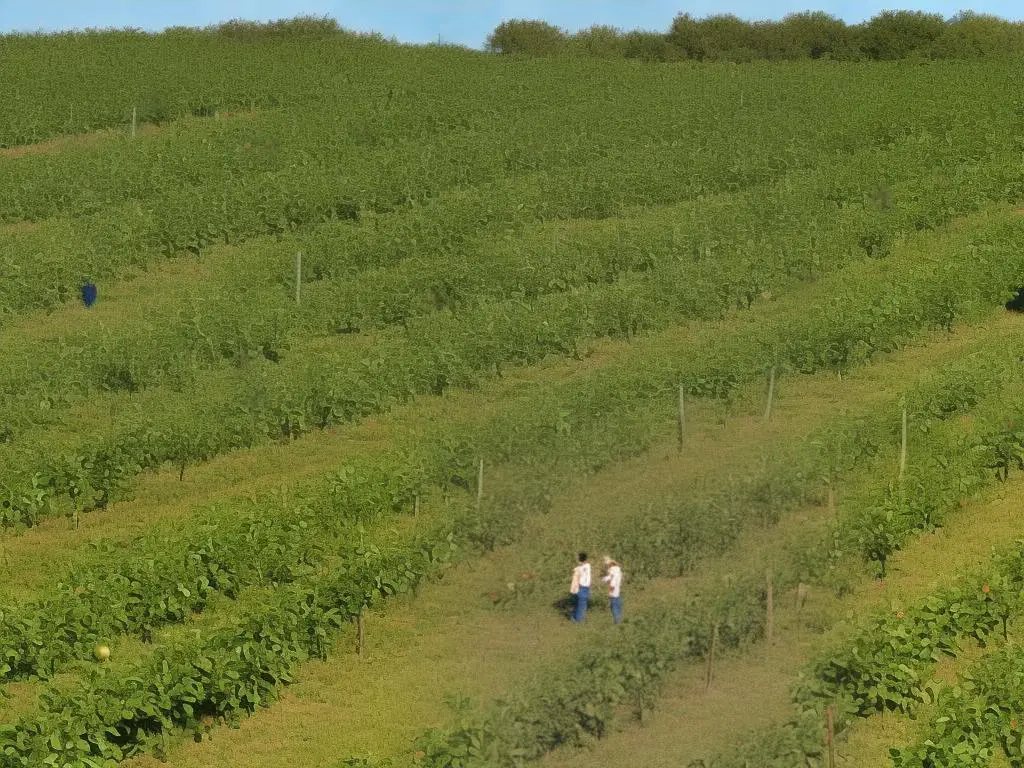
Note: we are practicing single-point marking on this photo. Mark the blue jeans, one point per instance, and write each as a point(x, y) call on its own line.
point(579, 610)
point(616, 603)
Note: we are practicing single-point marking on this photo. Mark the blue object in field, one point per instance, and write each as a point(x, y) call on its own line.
point(88, 294)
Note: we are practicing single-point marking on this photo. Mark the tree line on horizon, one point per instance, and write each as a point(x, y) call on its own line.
point(889, 36)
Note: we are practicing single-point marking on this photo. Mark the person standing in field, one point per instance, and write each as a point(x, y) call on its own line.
point(580, 587)
point(613, 578)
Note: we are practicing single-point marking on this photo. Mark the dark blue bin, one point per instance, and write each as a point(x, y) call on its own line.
point(88, 294)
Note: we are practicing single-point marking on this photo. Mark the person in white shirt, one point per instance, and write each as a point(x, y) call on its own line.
point(580, 587)
point(613, 578)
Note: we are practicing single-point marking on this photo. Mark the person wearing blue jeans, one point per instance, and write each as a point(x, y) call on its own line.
point(580, 587)
point(613, 578)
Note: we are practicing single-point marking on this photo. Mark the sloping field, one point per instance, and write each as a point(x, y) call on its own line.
point(375, 355)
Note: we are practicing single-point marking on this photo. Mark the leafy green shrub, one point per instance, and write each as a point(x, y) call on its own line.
point(534, 38)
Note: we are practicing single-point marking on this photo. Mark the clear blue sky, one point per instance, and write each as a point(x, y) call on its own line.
point(459, 21)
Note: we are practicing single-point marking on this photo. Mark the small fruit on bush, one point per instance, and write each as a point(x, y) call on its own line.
point(102, 653)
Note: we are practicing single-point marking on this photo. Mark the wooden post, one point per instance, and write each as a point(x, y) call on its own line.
point(771, 394)
point(831, 737)
point(682, 415)
point(802, 591)
point(480, 485)
point(711, 658)
point(133, 121)
point(298, 276)
point(359, 633)
point(770, 622)
point(903, 445)
point(416, 506)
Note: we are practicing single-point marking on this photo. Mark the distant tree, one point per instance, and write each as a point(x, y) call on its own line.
point(891, 35)
point(301, 27)
point(602, 42)
point(685, 36)
point(900, 34)
point(649, 46)
point(535, 38)
point(974, 35)
point(812, 35)
point(723, 37)
point(728, 38)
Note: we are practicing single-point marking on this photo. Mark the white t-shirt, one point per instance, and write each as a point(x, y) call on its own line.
point(614, 581)
point(580, 577)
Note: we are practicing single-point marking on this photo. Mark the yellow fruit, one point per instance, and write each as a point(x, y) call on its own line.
point(102, 653)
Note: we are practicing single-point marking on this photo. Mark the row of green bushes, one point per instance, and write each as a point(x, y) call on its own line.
point(440, 351)
point(889, 36)
point(167, 575)
point(727, 249)
point(110, 716)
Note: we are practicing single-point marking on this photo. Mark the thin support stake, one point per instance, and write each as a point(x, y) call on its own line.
point(711, 658)
point(480, 485)
point(770, 621)
point(416, 506)
point(134, 117)
point(298, 277)
point(903, 445)
point(682, 415)
point(771, 394)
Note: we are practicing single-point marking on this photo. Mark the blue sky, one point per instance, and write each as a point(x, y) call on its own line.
point(458, 21)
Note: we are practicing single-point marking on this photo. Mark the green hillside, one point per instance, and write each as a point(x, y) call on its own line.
point(385, 335)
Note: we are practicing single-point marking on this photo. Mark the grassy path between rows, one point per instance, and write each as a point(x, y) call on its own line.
point(451, 641)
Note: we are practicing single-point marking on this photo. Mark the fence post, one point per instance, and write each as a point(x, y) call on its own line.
point(771, 394)
point(480, 485)
point(133, 121)
point(903, 445)
point(298, 276)
point(770, 622)
point(682, 415)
